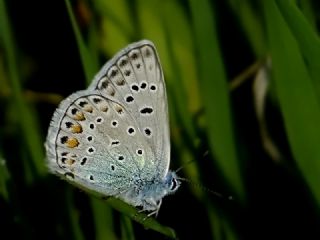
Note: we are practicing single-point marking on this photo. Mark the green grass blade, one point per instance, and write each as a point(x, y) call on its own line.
point(74, 216)
point(309, 12)
point(127, 232)
point(251, 24)
point(147, 222)
point(118, 24)
point(298, 101)
point(215, 92)
point(89, 64)
point(4, 178)
point(182, 81)
point(103, 220)
point(26, 117)
point(306, 37)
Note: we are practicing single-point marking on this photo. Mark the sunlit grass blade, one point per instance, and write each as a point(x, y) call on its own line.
point(118, 24)
point(26, 117)
point(181, 80)
point(215, 94)
point(297, 97)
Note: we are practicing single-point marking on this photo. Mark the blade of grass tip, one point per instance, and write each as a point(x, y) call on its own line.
point(89, 65)
point(103, 221)
point(26, 118)
point(297, 98)
point(215, 95)
point(306, 37)
point(127, 232)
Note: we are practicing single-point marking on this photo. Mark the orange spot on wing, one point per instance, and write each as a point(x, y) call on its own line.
point(70, 161)
point(72, 142)
point(88, 108)
point(76, 128)
point(104, 108)
point(79, 116)
point(118, 109)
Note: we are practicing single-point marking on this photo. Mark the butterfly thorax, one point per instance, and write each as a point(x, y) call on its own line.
point(149, 193)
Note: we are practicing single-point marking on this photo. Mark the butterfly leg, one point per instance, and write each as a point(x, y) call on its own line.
point(155, 212)
point(155, 205)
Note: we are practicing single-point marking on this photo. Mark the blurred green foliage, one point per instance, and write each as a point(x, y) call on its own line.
point(211, 52)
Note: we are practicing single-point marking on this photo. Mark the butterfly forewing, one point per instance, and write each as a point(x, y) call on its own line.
point(134, 78)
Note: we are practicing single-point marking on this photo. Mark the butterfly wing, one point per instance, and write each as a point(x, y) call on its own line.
point(94, 141)
point(135, 79)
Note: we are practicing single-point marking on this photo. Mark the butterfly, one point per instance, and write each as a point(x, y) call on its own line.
point(114, 138)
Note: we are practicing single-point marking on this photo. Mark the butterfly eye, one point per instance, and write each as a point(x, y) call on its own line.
point(173, 185)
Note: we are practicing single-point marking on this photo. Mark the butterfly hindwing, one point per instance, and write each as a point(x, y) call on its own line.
point(96, 141)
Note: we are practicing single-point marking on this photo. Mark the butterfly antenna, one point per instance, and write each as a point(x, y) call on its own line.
point(200, 186)
point(190, 161)
point(179, 169)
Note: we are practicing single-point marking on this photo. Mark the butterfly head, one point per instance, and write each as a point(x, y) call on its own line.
point(172, 182)
point(151, 194)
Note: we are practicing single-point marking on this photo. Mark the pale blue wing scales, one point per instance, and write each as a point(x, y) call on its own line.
point(90, 140)
point(134, 77)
